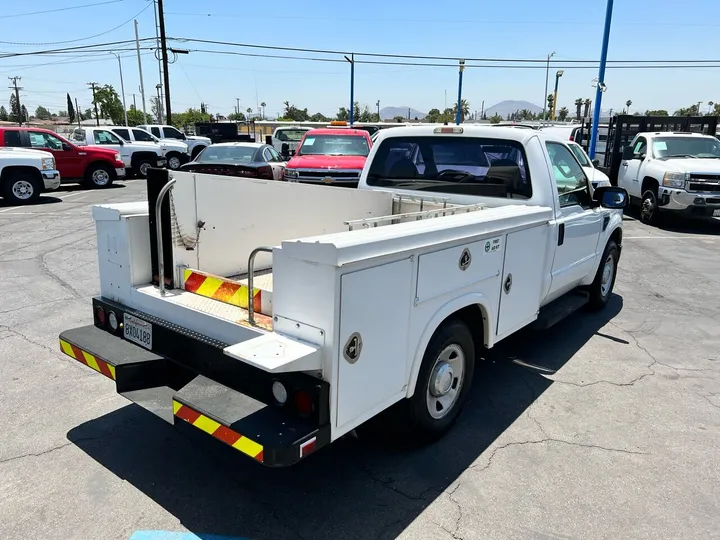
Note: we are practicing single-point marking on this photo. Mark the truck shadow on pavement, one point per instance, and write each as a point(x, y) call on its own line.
point(43, 199)
point(370, 487)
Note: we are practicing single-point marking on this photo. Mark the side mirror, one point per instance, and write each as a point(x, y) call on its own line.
point(627, 152)
point(596, 162)
point(615, 198)
point(122, 143)
point(66, 147)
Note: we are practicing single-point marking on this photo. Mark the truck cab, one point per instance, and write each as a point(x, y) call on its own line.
point(176, 152)
point(334, 156)
point(195, 143)
point(672, 172)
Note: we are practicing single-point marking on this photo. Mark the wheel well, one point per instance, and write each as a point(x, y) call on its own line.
point(197, 149)
point(475, 318)
point(8, 172)
point(648, 183)
point(616, 236)
point(99, 162)
point(172, 153)
point(137, 157)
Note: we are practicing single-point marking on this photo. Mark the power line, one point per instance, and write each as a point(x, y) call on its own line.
point(59, 9)
point(79, 39)
point(88, 48)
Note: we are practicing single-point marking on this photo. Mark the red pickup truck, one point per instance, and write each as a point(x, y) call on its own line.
point(90, 166)
point(330, 156)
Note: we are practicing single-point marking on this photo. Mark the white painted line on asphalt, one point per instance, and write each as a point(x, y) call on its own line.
point(7, 210)
point(36, 214)
point(706, 237)
point(73, 195)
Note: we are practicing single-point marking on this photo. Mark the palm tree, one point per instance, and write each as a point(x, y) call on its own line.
point(263, 109)
point(587, 104)
point(710, 107)
point(578, 106)
point(464, 110)
point(563, 114)
point(627, 104)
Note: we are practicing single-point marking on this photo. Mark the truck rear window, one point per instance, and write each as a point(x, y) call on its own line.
point(482, 167)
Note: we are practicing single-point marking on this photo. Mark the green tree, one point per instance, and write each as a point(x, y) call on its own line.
point(464, 110)
point(291, 112)
point(135, 117)
point(627, 104)
point(716, 109)
point(189, 118)
point(14, 109)
point(42, 113)
point(586, 104)
point(319, 117)
point(399, 119)
point(692, 110)
point(109, 104)
point(263, 105)
point(3, 114)
point(578, 107)
point(432, 116)
point(563, 114)
point(88, 114)
point(495, 118)
point(25, 114)
point(656, 112)
point(236, 117)
point(343, 114)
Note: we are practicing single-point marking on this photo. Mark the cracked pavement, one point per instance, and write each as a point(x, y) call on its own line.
point(620, 443)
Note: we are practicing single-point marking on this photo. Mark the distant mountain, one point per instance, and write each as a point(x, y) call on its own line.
point(388, 113)
point(508, 107)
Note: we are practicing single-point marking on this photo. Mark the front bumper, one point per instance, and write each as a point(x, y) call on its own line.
point(120, 172)
point(51, 179)
point(681, 201)
point(327, 177)
point(187, 381)
point(161, 162)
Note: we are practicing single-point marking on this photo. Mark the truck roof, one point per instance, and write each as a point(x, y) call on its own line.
point(673, 133)
point(491, 132)
point(337, 131)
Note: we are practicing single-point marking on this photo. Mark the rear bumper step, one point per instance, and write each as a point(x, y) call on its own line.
point(175, 393)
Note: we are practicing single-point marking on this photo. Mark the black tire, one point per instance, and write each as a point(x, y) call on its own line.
point(99, 176)
point(141, 168)
point(424, 427)
point(21, 188)
point(173, 158)
point(602, 286)
point(649, 210)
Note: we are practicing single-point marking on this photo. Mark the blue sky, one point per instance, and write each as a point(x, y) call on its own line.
point(642, 30)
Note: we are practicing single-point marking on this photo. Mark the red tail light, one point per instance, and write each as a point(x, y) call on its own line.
point(100, 315)
point(265, 171)
point(303, 403)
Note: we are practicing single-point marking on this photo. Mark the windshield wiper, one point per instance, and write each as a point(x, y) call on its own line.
point(681, 156)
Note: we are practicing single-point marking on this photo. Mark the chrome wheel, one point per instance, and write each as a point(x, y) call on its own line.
point(144, 168)
point(100, 177)
point(608, 274)
point(23, 190)
point(174, 162)
point(649, 207)
point(446, 381)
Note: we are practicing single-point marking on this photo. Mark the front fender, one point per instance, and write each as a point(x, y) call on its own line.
point(437, 319)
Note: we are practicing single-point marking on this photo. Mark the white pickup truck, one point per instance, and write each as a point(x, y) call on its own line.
point(195, 143)
point(25, 174)
point(277, 317)
point(176, 152)
point(669, 172)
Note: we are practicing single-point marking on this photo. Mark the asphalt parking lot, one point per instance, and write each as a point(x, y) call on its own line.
point(621, 443)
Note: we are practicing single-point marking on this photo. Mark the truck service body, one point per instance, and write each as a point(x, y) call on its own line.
point(279, 329)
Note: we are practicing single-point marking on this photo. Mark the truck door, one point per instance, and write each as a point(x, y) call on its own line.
point(577, 224)
point(629, 173)
point(107, 139)
point(67, 159)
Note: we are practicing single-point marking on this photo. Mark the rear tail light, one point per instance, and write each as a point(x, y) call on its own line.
point(448, 129)
point(303, 403)
point(100, 315)
point(265, 171)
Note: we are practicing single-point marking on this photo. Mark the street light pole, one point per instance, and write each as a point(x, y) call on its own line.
point(557, 80)
point(547, 77)
point(122, 86)
point(601, 79)
point(352, 87)
point(142, 84)
point(458, 113)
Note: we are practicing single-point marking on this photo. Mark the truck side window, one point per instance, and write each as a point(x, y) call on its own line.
point(172, 133)
point(143, 136)
point(570, 179)
point(12, 138)
point(79, 135)
point(640, 147)
point(155, 131)
point(105, 137)
point(124, 133)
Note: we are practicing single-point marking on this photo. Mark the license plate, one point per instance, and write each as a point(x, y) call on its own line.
point(716, 213)
point(138, 331)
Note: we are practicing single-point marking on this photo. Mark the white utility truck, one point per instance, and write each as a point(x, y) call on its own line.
point(278, 316)
point(671, 172)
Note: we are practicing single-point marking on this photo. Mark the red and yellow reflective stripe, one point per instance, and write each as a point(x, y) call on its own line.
point(217, 430)
point(223, 290)
point(95, 362)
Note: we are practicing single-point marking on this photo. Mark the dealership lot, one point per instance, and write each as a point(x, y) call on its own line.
point(620, 443)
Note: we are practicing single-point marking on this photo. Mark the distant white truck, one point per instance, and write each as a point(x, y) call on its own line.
point(176, 152)
point(195, 143)
point(277, 316)
point(137, 157)
point(670, 172)
point(25, 174)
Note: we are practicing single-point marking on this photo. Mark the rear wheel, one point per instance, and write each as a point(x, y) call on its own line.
point(143, 167)
point(21, 188)
point(99, 176)
point(444, 381)
point(649, 211)
point(173, 161)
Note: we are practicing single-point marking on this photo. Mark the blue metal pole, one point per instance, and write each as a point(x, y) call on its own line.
point(352, 89)
point(601, 79)
point(458, 113)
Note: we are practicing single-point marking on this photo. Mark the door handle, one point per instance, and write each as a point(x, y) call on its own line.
point(561, 234)
point(624, 164)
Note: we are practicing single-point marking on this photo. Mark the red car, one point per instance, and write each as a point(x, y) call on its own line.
point(91, 166)
point(331, 156)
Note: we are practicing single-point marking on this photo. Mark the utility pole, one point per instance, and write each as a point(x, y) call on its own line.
point(237, 106)
point(547, 75)
point(97, 115)
point(159, 59)
point(378, 106)
point(163, 47)
point(122, 86)
point(601, 79)
point(17, 97)
point(77, 111)
point(142, 84)
point(352, 87)
point(458, 113)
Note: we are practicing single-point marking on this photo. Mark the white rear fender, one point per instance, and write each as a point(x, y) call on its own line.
point(471, 299)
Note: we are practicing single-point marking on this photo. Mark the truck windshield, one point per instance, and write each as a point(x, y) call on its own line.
point(685, 147)
point(290, 135)
point(447, 164)
point(334, 145)
point(580, 155)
